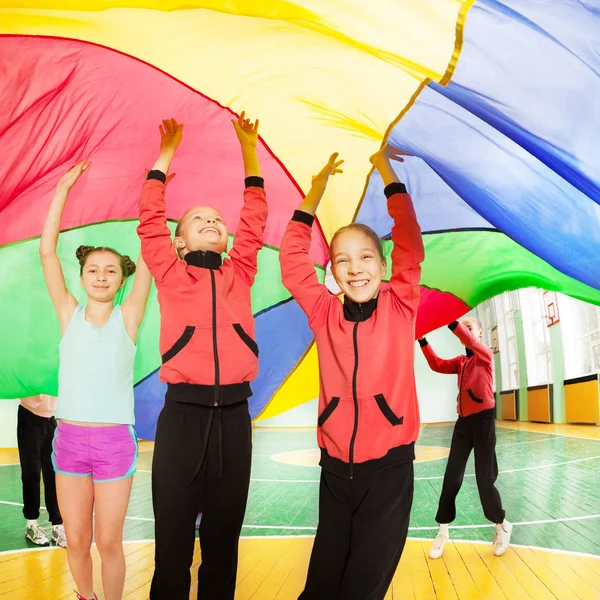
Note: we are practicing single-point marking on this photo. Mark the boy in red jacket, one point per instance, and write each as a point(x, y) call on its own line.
point(368, 411)
point(474, 429)
point(203, 446)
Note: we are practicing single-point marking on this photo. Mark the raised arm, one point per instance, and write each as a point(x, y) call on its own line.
point(408, 252)
point(448, 366)
point(157, 246)
point(134, 305)
point(64, 302)
point(297, 270)
point(248, 239)
point(479, 349)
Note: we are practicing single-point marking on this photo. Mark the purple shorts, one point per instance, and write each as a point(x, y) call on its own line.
point(104, 453)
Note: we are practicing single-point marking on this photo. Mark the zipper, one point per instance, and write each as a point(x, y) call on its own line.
point(214, 328)
point(460, 386)
point(354, 395)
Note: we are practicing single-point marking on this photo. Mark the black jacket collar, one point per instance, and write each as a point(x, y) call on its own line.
point(470, 353)
point(359, 312)
point(203, 259)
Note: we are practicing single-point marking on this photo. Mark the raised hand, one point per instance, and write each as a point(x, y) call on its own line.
point(170, 136)
point(69, 179)
point(331, 168)
point(246, 130)
point(319, 183)
point(381, 160)
point(388, 153)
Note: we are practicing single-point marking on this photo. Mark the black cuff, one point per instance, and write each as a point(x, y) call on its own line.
point(394, 188)
point(255, 181)
point(423, 342)
point(453, 325)
point(303, 217)
point(156, 174)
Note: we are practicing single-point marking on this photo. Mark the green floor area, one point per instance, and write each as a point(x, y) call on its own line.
point(548, 483)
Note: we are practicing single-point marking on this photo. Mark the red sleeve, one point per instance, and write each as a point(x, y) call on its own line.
point(408, 252)
point(248, 239)
point(479, 349)
point(155, 235)
point(298, 271)
point(449, 366)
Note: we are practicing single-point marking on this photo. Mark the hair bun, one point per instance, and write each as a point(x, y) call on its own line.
point(130, 266)
point(83, 251)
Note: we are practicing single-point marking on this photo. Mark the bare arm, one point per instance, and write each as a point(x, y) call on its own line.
point(64, 302)
point(249, 235)
point(319, 184)
point(134, 305)
point(247, 133)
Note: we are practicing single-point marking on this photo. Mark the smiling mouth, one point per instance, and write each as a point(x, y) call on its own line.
point(358, 284)
point(210, 230)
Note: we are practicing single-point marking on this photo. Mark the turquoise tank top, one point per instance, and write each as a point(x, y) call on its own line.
point(95, 376)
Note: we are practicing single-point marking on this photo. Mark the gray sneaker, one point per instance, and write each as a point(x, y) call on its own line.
point(58, 535)
point(37, 535)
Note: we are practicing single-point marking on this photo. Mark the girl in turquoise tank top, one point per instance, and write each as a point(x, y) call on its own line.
point(95, 446)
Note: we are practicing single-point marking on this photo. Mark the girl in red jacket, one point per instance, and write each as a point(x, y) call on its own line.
point(474, 429)
point(203, 445)
point(368, 412)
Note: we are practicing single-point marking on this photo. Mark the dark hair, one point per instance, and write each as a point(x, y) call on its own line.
point(365, 230)
point(82, 253)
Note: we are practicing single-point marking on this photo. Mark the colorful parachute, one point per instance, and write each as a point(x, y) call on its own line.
point(498, 99)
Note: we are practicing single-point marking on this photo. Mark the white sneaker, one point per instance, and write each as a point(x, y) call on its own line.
point(437, 548)
point(37, 535)
point(58, 535)
point(502, 537)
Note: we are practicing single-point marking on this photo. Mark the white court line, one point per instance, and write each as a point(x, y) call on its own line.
point(304, 528)
point(548, 439)
point(567, 462)
point(435, 527)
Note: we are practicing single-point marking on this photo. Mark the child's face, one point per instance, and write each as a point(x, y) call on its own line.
point(102, 276)
point(472, 326)
point(202, 228)
point(357, 266)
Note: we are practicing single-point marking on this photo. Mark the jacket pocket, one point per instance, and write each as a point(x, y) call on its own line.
point(388, 413)
point(246, 339)
point(180, 344)
point(474, 397)
point(328, 410)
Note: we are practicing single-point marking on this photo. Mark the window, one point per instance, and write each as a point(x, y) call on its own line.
point(537, 338)
point(581, 336)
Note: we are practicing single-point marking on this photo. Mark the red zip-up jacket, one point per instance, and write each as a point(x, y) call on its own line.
point(368, 410)
point(474, 370)
point(207, 326)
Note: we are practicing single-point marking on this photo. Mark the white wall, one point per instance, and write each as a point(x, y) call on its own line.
point(437, 393)
point(8, 423)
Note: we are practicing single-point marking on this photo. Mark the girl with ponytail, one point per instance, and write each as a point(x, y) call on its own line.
point(95, 444)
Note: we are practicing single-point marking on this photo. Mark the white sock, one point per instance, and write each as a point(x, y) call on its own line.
point(444, 529)
point(32, 523)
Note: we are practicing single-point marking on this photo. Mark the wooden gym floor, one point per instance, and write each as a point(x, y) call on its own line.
point(549, 482)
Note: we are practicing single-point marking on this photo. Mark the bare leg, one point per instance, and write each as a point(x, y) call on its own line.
point(76, 501)
point(112, 499)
